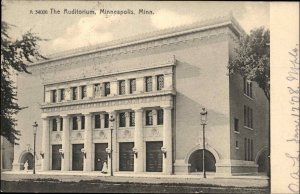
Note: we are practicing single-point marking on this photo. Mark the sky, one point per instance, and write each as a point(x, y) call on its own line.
point(71, 31)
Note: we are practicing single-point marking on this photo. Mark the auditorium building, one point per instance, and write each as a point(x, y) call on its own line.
point(134, 104)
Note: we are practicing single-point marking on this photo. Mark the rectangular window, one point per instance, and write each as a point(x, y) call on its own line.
point(132, 119)
point(236, 124)
point(61, 124)
point(249, 149)
point(160, 82)
point(74, 93)
point(97, 90)
point(122, 119)
point(248, 117)
point(245, 149)
point(160, 117)
point(106, 88)
point(132, 85)
point(54, 125)
point(74, 122)
point(247, 87)
point(106, 120)
point(149, 117)
point(62, 94)
point(83, 92)
point(251, 146)
point(236, 144)
point(82, 122)
point(148, 83)
point(53, 92)
point(97, 121)
point(121, 87)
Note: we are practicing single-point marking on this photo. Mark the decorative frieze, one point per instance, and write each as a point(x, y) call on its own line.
point(95, 56)
point(163, 98)
point(77, 136)
point(153, 132)
point(56, 138)
point(125, 134)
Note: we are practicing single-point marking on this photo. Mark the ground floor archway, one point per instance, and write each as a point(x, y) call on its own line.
point(27, 156)
point(196, 161)
point(263, 162)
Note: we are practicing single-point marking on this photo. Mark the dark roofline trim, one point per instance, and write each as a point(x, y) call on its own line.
point(231, 23)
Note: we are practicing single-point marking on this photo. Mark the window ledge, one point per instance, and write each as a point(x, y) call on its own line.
point(237, 132)
point(237, 148)
point(248, 128)
point(251, 98)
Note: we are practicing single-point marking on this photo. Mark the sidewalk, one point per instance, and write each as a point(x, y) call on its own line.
point(150, 178)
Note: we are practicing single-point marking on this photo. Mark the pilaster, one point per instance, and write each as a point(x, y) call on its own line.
point(167, 140)
point(45, 144)
point(88, 142)
point(66, 144)
point(139, 142)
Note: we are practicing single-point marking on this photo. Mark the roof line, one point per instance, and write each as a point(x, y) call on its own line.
point(229, 21)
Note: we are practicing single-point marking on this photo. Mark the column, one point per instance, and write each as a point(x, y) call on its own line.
point(79, 122)
point(168, 81)
point(140, 85)
point(58, 123)
point(139, 141)
point(114, 88)
point(154, 83)
point(68, 95)
point(58, 94)
point(102, 89)
point(46, 144)
point(167, 140)
point(65, 162)
point(127, 121)
point(90, 90)
point(154, 117)
point(47, 96)
point(113, 143)
point(78, 93)
point(102, 121)
point(88, 142)
point(127, 86)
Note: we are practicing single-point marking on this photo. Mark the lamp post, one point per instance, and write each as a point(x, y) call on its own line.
point(35, 125)
point(203, 116)
point(112, 119)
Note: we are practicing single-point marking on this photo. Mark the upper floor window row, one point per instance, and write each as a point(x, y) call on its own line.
point(151, 83)
point(248, 88)
point(154, 115)
point(248, 117)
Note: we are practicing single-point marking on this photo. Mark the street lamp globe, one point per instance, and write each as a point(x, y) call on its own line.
point(35, 125)
point(203, 115)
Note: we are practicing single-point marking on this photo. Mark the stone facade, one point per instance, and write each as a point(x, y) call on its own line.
point(87, 99)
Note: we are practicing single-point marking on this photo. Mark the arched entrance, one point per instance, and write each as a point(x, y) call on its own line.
point(196, 161)
point(263, 162)
point(27, 157)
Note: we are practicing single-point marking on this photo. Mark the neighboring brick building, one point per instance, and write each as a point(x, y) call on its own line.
point(154, 86)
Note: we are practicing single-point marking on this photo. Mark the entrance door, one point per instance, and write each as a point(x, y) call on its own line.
point(100, 155)
point(77, 158)
point(56, 158)
point(154, 156)
point(126, 157)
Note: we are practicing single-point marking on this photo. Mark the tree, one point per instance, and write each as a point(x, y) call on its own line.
point(14, 56)
point(253, 59)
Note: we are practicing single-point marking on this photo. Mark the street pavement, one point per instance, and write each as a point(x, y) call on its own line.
point(131, 183)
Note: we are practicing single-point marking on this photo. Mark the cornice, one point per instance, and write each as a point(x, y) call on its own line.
point(198, 30)
point(106, 102)
point(167, 63)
